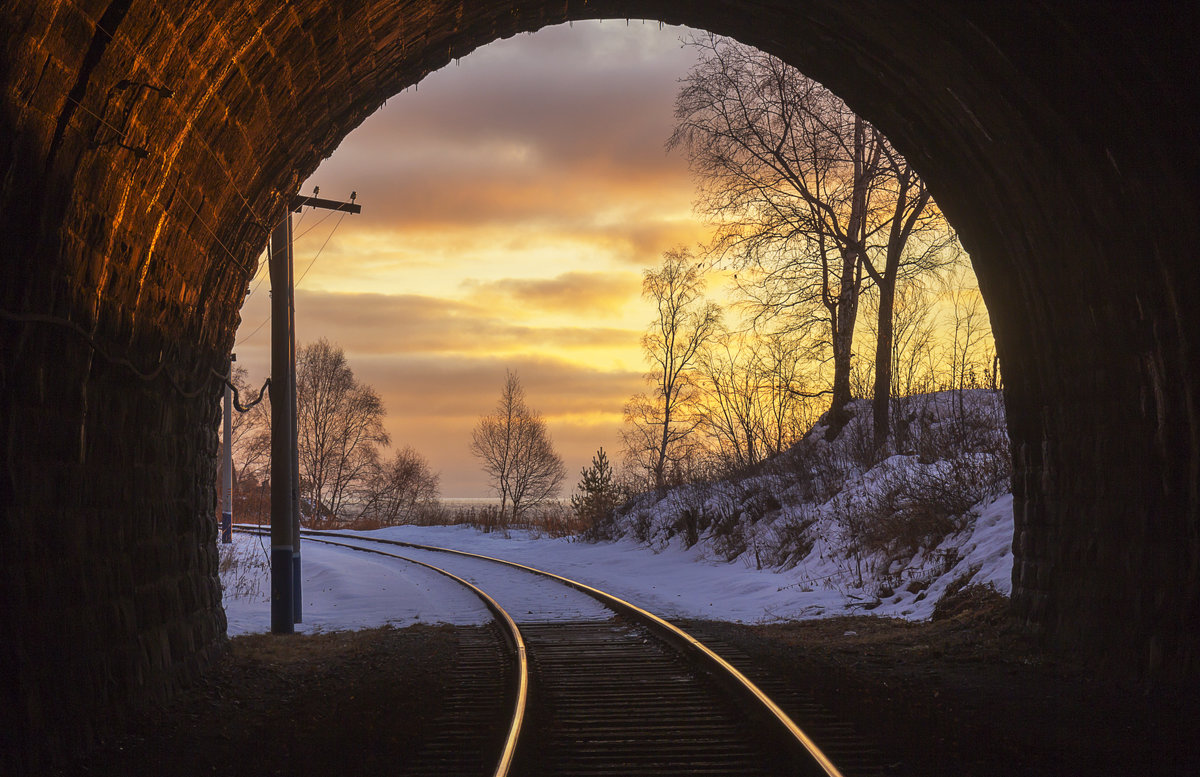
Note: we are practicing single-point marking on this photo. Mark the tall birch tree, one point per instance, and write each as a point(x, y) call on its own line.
point(659, 424)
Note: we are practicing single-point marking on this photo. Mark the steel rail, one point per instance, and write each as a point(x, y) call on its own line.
point(672, 633)
point(511, 633)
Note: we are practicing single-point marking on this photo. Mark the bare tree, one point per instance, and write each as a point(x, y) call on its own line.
point(787, 368)
point(915, 352)
point(730, 372)
point(971, 347)
point(919, 240)
point(397, 490)
point(806, 193)
point(659, 424)
point(492, 438)
point(339, 428)
point(914, 326)
point(758, 395)
point(517, 453)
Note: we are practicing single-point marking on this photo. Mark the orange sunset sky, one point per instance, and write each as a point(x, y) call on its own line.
point(510, 203)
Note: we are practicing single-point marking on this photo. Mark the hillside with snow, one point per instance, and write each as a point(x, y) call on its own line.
point(889, 531)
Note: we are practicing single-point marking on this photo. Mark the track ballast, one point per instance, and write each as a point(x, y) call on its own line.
point(625, 694)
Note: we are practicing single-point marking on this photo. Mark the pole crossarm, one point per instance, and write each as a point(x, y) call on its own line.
point(299, 202)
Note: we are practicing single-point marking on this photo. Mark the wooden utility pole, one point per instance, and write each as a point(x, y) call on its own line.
point(285, 456)
point(227, 460)
point(297, 594)
point(283, 434)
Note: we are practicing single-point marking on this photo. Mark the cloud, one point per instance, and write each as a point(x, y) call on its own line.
point(588, 292)
point(434, 399)
point(537, 147)
point(387, 257)
point(447, 188)
point(457, 386)
point(552, 127)
point(590, 89)
point(411, 323)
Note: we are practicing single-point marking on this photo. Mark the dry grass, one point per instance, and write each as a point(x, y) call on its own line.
point(243, 567)
point(554, 519)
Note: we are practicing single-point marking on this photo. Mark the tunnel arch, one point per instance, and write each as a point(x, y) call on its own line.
point(147, 148)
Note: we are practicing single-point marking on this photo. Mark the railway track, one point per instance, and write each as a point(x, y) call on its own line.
point(617, 691)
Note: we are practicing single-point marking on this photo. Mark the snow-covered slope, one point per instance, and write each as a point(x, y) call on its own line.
point(889, 532)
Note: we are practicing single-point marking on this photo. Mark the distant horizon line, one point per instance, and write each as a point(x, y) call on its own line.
point(491, 499)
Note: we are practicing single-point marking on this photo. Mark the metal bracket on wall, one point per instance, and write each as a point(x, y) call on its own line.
point(120, 103)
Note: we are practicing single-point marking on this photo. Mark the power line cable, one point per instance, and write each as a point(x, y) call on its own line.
point(319, 250)
point(138, 57)
point(260, 275)
point(122, 134)
point(181, 177)
point(237, 400)
point(314, 226)
point(252, 334)
point(311, 262)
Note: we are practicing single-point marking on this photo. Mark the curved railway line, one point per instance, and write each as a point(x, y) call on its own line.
point(626, 693)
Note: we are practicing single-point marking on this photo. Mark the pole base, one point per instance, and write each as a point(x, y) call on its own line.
point(282, 606)
point(297, 609)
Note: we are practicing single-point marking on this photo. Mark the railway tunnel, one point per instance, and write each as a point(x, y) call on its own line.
point(148, 146)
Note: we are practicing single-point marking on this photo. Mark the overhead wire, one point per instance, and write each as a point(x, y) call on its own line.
point(122, 133)
point(212, 232)
point(314, 226)
point(138, 57)
point(237, 398)
point(202, 142)
point(160, 368)
point(256, 273)
point(260, 275)
point(337, 224)
point(296, 283)
point(252, 334)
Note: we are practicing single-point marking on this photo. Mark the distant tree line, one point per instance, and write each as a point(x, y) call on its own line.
point(346, 472)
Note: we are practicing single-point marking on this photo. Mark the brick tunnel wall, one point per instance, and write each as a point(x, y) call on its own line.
point(147, 146)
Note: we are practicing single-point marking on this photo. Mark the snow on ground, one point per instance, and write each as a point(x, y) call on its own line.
point(348, 589)
point(525, 597)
